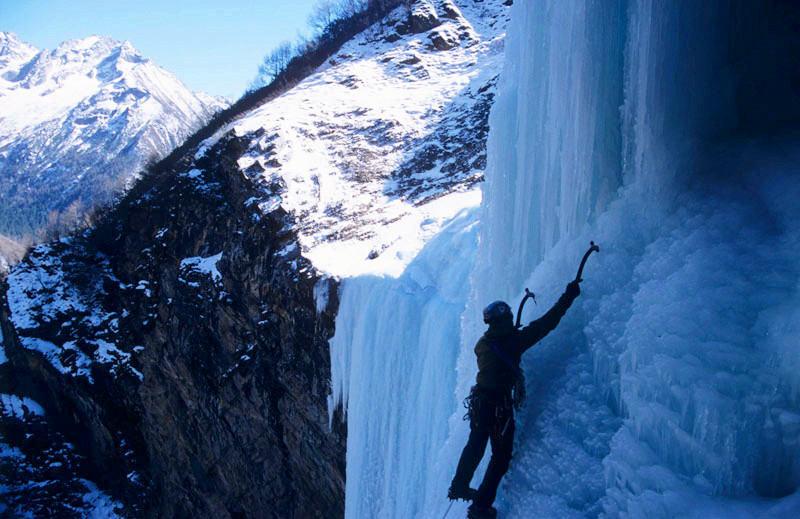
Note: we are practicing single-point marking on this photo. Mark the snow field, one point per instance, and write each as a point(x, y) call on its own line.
point(330, 150)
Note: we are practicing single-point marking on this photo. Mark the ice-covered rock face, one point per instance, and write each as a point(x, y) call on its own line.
point(659, 395)
point(670, 388)
point(77, 122)
point(376, 150)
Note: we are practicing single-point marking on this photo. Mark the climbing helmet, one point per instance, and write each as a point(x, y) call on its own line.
point(496, 311)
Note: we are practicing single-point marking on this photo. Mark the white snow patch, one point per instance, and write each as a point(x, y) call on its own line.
point(52, 353)
point(9, 452)
point(38, 292)
point(206, 266)
point(398, 243)
point(19, 407)
point(101, 505)
point(288, 249)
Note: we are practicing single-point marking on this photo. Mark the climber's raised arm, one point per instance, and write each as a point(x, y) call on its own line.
point(539, 328)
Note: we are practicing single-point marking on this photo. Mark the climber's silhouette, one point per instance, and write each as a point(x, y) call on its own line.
point(499, 388)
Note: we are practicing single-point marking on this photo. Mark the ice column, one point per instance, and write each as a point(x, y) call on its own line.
point(393, 363)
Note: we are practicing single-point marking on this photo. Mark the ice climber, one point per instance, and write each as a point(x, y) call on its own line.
point(498, 390)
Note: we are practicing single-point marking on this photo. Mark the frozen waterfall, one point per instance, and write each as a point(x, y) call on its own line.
point(393, 362)
point(661, 130)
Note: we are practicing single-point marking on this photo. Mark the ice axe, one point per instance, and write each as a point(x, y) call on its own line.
point(592, 248)
point(528, 295)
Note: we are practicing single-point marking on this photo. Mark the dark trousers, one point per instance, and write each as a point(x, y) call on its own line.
point(490, 421)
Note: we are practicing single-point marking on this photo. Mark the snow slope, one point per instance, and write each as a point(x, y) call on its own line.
point(375, 151)
point(670, 388)
point(78, 121)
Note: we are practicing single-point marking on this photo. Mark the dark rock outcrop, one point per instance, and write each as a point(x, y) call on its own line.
point(450, 10)
point(422, 17)
point(443, 39)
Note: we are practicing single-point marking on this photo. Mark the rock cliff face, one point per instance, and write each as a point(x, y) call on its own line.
point(181, 349)
point(174, 360)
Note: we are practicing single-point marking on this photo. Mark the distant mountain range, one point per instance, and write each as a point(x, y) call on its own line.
point(78, 122)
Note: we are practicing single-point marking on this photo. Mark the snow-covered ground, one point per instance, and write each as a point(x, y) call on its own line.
point(670, 388)
point(378, 149)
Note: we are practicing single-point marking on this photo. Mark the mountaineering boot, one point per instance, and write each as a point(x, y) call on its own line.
point(481, 512)
point(465, 493)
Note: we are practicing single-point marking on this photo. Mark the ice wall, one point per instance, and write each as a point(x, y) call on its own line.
point(665, 132)
point(550, 188)
point(662, 393)
point(393, 362)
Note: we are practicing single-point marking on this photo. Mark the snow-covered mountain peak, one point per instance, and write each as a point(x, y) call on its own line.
point(10, 43)
point(96, 49)
point(68, 113)
point(88, 46)
point(95, 57)
point(13, 50)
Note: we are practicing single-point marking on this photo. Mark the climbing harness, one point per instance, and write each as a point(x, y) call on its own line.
point(471, 403)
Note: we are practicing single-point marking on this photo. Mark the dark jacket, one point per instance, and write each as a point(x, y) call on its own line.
point(494, 373)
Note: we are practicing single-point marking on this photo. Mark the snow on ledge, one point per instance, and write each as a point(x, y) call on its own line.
point(19, 407)
point(398, 243)
point(207, 266)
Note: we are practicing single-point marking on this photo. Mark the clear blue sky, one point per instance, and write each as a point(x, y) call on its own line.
point(213, 46)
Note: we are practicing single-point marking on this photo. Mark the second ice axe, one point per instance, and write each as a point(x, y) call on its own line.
point(592, 248)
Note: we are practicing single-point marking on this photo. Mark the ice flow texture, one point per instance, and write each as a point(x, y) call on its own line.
point(662, 130)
